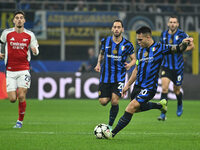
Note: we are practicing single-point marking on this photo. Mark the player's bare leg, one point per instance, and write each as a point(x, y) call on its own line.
point(165, 88)
point(177, 91)
point(12, 96)
point(104, 101)
point(21, 107)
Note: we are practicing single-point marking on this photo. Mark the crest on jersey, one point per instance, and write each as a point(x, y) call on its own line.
point(122, 47)
point(163, 73)
point(114, 51)
point(177, 37)
point(153, 49)
point(24, 40)
point(146, 54)
point(171, 41)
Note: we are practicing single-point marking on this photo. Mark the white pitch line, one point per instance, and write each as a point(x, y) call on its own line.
point(126, 133)
point(89, 133)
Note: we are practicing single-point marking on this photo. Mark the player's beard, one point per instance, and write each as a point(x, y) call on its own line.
point(173, 28)
point(117, 35)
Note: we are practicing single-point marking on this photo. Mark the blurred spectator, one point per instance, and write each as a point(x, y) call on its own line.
point(81, 6)
point(118, 5)
point(99, 6)
point(142, 7)
point(183, 6)
point(92, 61)
point(154, 9)
point(165, 7)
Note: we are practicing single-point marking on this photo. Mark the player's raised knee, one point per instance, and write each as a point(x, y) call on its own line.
point(103, 102)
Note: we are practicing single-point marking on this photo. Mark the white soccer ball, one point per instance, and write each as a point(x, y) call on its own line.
point(98, 130)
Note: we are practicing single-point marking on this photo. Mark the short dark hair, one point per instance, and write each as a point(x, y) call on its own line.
point(173, 16)
point(118, 20)
point(144, 30)
point(19, 12)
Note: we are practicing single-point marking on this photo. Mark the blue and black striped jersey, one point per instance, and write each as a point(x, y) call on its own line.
point(113, 68)
point(148, 64)
point(173, 61)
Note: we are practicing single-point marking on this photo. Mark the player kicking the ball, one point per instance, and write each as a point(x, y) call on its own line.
point(18, 43)
point(149, 58)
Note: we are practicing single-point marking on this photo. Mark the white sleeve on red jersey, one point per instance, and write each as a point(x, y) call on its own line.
point(3, 36)
point(34, 43)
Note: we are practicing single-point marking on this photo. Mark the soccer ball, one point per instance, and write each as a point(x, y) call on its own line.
point(98, 130)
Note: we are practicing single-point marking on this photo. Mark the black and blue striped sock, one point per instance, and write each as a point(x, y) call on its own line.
point(123, 122)
point(113, 113)
point(179, 98)
point(150, 105)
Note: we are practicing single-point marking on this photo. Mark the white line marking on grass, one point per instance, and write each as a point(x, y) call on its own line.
point(26, 132)
point(90, 133)
point(125, 133)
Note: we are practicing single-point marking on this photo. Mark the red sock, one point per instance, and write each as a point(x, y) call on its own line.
point(22, 108)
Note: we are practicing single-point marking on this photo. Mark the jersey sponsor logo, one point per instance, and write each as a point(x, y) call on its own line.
point(164, 38)
point(108, 47)
point(116, 58)
point(17, 45)
point(148, 59)
point(12, 39)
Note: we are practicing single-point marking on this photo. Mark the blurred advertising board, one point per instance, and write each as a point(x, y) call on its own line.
point(85, 85)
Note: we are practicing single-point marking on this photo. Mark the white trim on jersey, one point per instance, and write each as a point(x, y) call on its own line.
point(3, 39)
point(33, 42)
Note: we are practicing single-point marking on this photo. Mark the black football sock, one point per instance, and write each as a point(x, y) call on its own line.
point(150, 105)
point(113, 113)
point(179, 98)
point(164, 96)
point(123, 121)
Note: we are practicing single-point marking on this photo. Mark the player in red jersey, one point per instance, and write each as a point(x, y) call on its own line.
point(19, 42)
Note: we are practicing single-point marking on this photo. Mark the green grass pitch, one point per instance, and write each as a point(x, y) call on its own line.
point(69, 125)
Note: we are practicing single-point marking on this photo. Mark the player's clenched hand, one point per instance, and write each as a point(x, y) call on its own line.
point(124, 90)
point(2, 56)
point(127, 66)
point(187, 40)
point(97, 68)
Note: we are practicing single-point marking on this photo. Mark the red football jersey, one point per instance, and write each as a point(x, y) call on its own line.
point(17, 49)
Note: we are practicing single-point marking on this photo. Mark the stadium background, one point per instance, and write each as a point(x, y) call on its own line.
point(66, 29)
